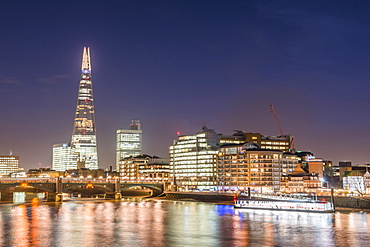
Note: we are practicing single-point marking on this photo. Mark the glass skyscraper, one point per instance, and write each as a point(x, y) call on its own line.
point(84, 131)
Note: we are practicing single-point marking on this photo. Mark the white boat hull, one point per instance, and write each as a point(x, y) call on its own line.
point(300, 206)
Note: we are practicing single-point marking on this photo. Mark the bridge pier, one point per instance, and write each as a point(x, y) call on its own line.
point(117, 193)
point(118, 196)
point(54, 197)
point(113, 195)
point(59, 197)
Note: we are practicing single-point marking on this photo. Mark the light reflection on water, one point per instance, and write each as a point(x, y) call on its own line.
point(167, 223)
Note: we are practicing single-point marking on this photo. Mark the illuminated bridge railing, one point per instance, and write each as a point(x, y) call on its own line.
point(72, 180)
point(28, 180)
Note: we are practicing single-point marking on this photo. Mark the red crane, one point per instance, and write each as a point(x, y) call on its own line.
point(277, 120)
point(291, 138)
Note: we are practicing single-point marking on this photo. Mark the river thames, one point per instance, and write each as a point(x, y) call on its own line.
point(169, 223)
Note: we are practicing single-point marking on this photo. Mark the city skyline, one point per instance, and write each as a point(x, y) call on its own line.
point(177, 65)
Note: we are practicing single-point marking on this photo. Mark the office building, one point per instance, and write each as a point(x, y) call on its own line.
point(84, 131)
point(9, 164)
point(193, 160)
point(64, 157)
point(128, 142)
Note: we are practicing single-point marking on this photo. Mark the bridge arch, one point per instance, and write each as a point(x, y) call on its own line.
point(14, 185)
point(149, 186)
point(66, 189)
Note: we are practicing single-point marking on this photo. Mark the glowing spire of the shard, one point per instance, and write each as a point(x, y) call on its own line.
point(84, 131)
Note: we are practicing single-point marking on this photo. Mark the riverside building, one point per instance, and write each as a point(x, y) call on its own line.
point(144, 168)
point(282, 143)
point(84, 130)
point(247, 165)
point(193, 160)
point(9, 164)
point(300, 181)
point(128, 142)
point(357, 181)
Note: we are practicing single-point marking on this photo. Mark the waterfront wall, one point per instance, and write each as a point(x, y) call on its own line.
point(201, 196)
point(348, 202)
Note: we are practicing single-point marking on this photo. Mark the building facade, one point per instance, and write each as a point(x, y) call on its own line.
point(8, 164)
point(289, 163)
point(193, 161)
point(44, 173)
point(128, 142)
point(357, 181)
point(316, 165)
point(247, 165)
point(300, 181)
point(344, 166)
point(282, 143)
point(144, 168)
point(84, 130)
point(64, 157)
point(84, 173)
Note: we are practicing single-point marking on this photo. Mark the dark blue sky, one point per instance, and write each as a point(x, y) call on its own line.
point(177, 64)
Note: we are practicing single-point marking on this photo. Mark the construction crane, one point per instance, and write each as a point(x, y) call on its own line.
point(291, 138)
point(277, 120)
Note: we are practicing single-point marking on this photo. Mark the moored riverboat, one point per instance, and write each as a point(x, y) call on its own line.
point(283, 203)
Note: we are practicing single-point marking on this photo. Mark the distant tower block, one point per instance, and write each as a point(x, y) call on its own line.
point(64, 157)
point(129, 142)
point(9, 164)
point(84, 131)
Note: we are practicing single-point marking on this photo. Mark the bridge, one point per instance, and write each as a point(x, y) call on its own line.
point(55, 187)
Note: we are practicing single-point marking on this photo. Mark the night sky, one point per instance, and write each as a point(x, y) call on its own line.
point(176, 65)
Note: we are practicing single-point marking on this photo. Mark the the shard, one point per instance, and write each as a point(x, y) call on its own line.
point(84, 131)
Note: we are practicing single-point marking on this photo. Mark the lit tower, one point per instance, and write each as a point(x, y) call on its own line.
point(84, 132)
point(129, 142)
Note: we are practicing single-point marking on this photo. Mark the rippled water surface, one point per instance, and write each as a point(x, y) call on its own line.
point(167, 223)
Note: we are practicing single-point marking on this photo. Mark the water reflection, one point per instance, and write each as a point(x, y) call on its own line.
point(166, 223)
point(22, 197)
point(288, 228)
point(19, 225)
